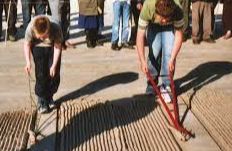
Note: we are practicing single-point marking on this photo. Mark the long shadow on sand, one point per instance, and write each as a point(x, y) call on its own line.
point(203, 75)
point(99, 84)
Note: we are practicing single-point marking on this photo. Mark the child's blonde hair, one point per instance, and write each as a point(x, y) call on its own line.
point(41, 25)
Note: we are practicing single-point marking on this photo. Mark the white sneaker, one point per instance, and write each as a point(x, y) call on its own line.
point(42, 109)
point(165, 93)
point(52, 104)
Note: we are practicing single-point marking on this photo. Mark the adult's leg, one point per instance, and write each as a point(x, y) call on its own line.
point(40, 7)
point(64, 8)
point(135, 12)
point(226, 17)
point(215, 2)
point(207, 20)
point(12, 18)
point(99, 36)
point(26, 10)
point(186, 9)
point(125, 22)
point(196, 18)
point(91, 37)
point(1, 11)
point(116, 22)
point(54, 7)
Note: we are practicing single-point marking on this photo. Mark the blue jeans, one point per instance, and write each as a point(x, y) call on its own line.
point(160, 41)
point(120, 9)
point(39, 6)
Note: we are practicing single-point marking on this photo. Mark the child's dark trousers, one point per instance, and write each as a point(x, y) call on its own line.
point(45, 85)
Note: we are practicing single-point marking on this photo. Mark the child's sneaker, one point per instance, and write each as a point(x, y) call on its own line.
point(166, 93)
point(43, 109)
point(42, 106)
point(52, 104)
point(149, 90)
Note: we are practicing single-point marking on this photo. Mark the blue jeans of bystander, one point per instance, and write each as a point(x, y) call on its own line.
point(121, 10)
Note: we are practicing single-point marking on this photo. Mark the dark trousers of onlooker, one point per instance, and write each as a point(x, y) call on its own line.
point(45, 85)
point(65, 18)
point(91, 36)
point(186, 10)
point(202, 20)
point(135, 13)
point(227, 15)
point(60, 11)
point(4, 4)
point(215, 2)
point(27, 5)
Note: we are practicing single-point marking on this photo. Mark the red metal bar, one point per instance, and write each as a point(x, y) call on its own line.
point(174, 99)
point(175, 121)
point(154, 85)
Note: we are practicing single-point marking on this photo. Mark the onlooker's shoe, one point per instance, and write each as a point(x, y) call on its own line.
point(21, 26)
point(196, 42)
point(64, 47)
point(99, 43)
point(209, 40)
point(1, 38)
point(227, 35)
point(115, 47)
point(127, 45)
point(185, 37)
point(91, 44)
point(12, 37)
point(166, 93)
point(100, 36)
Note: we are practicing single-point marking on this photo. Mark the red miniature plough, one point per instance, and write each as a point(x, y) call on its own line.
point(176, 128)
